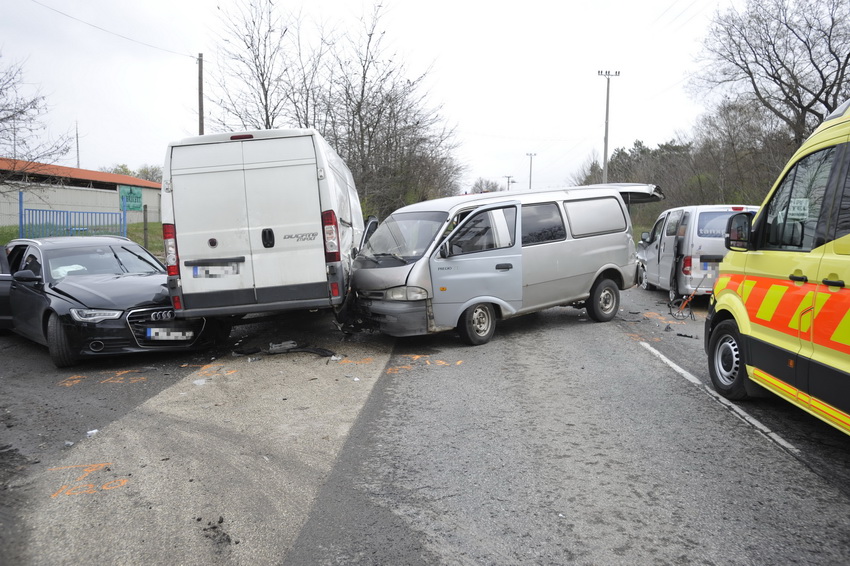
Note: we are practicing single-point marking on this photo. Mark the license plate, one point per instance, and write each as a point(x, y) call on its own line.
point(709, 266)
point(169, 334)
point(212, 271)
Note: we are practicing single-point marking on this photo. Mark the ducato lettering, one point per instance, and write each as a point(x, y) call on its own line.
point(305, 237)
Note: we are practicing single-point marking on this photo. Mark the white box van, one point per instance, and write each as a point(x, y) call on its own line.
point(463, 262)
point(684, 248)
point(258, 221)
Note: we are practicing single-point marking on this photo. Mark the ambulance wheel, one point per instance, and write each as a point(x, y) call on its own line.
point(726, 363)
point(477, 324)
point(604, 301)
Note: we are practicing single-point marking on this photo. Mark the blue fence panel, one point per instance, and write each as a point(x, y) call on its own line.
point(42, 223)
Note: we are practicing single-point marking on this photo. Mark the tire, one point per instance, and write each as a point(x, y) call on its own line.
point(477, 324)
point(58, 345)
point(604, 301)
point(674, 291)
point(643, 281)
point(726, 362)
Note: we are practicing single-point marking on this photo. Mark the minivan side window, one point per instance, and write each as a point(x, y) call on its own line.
point(793, 211)
point(486, 230)
point(595, 216)
point(542, 223)
point(843, 227)
point(673, 223)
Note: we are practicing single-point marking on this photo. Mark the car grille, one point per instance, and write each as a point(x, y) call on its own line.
point(141, 320)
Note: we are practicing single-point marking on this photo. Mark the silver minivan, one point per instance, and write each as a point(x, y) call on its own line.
point(463, 262)
point(681, 253)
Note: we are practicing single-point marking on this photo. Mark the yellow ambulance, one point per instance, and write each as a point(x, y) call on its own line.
point(779, 316)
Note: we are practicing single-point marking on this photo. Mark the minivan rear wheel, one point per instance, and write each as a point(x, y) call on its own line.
point(477, 324)
point(604, 301)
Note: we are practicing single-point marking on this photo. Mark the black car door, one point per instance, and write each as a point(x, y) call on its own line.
point(28, 298)
point(5, 285)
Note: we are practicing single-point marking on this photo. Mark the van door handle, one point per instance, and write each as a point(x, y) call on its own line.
point(268, 238)
point(831, 283)
point(798, 278)
point(501, 266)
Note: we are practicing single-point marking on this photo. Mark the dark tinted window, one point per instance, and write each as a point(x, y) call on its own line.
point(542, 223)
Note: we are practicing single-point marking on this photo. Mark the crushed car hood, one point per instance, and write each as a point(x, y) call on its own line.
point(115, 291)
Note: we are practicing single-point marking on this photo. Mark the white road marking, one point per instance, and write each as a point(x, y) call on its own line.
point(736, 410)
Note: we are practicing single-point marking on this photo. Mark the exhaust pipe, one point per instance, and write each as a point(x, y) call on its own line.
point(96, 346)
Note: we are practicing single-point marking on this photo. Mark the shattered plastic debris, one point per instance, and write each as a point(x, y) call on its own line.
point(336, 358)
point(200, 382)
point(290, 346)
point(246, 351)
point(91, 433)
point(68, 443)
point(668, 329)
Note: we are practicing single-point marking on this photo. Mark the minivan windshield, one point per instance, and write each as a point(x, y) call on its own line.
point(404, 236)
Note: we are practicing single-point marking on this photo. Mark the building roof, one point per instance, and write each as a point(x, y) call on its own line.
point(29, 171)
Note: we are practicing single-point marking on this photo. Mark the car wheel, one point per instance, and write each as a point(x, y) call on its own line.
point(643, 281)
point(604, 301)
point(726, 363)
point(58, 345)
point(477, 324)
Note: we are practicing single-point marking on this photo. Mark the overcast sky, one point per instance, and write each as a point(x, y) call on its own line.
point(512, 78)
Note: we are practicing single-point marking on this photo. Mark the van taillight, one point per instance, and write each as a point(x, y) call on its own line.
point(687, 264)
point(331, 231)
point(169, 242)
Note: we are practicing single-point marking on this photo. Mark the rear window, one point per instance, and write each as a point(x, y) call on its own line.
point(595, 216)
point(712, 224)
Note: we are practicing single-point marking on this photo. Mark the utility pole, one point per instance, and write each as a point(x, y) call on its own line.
point(530, 160)
point(607, 75)
point(509, 177)
point(200, 94)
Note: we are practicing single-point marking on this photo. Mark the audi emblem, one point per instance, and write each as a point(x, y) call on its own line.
point(162, 315)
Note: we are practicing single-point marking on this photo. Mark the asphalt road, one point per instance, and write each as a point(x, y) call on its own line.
point(561, 441)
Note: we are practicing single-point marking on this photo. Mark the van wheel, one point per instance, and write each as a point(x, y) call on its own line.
point(58, 344)
point(726, 363)
point(477, 324)
point(604, 301)
point(643, 281)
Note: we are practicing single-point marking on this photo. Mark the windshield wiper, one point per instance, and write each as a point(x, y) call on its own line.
point(394, 256)
point(156, 268)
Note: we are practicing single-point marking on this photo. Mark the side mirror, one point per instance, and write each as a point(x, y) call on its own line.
point(445, 249)
point(738, 236)
point(644, 236)
point(371, 226)
point(26, 276)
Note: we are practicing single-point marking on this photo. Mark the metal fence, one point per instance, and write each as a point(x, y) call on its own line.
point(42, 223)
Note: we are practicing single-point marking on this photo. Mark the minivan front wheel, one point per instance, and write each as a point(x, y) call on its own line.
point(727, 365)
point(604, 301)
point(477, 324)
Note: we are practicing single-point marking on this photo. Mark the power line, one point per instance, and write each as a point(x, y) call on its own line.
point(111, 32)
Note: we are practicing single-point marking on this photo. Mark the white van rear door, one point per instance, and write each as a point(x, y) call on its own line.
point(284, 219)
point(248, 220)
point(485, 264)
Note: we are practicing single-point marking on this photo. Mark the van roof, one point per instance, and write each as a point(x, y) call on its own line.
point(247, 134)
point(629, 192)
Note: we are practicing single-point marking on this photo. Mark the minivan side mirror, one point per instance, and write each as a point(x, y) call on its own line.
point(445, 249)
point(739, 228)
point(644, 236)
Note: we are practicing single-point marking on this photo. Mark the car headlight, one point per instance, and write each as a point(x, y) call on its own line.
point(406, 294)
point(94, 315)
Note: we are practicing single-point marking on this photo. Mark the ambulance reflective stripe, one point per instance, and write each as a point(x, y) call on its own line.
point(782, 306)
point(813, 405)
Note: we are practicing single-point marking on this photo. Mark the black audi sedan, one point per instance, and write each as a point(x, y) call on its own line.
point(91, 296)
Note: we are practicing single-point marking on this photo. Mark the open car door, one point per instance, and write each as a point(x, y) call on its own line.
point(5, 286)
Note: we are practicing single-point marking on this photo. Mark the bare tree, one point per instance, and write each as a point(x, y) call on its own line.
point(791, 56)
point(23, 136)
point(482, 185)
